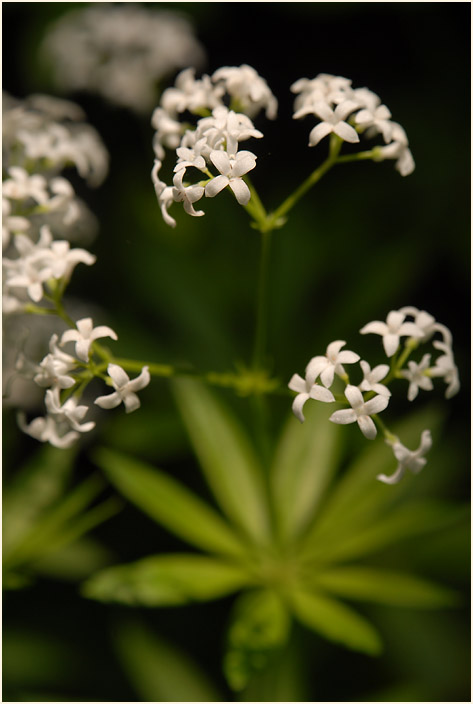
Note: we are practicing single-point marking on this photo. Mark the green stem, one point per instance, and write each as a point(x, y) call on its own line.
point(262, 303)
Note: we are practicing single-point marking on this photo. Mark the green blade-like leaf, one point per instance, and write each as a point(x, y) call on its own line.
point(400, 523)
point(384, 586)
point(358, 496)
point(303, 466)
point(169, 503)
point(158, 671)
point(35, 487)
point(335, 621)
point(260, 626)
point(167, 580)
point(49, 529)
point(226, 456)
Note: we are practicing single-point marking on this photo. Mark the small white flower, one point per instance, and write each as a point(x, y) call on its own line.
point(53, 369)
point(48, 430)
point(21, 186)
point(124, 389)
point(306, 389)
point(327, 366)
point(231, 172)
point(416, 375)
point(413, 460)
point(424, 321)
point(372, 377)
point(332, 121)
point(393, 329)
point(445, 367)
point(248, 88)
point(187, 194)
point(164, 194)
point(360, 411)
point(84, 335)
point(69, 411)
point(397, 149)
point(376, 119)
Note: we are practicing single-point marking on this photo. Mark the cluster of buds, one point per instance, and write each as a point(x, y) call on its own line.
point(211, 146)
point(349, 112)
point(120, 51)
point(39, 141)
point(372, 394)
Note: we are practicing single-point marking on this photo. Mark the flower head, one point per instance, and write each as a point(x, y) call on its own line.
point(392, 330)
point(124, 389)
point(84, 335)
point(327, 366)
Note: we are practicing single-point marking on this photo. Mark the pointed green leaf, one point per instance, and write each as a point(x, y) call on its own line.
point(402, 522)
point(358, 496)
point(304, 463)
point(36, 486)
point(169, 503)
point(335, 621)
point(384, 586)
point(226, 456)
point(167, 580)
point(158, 671)
point(260, 626)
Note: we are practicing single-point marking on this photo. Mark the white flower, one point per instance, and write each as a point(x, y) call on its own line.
point(191, 156)
point(168, 132)
point(191, 94)
point(11, 223)
point(69, 411)
point(372, 377)
point(327, 366)
point(22, 186)
point(393, 329)
point(231, 172)
point(324, 88)
point(48, 430)
point(424, 321)
point(398, 149)
point(360, 411)
point(417, 377)
point(413, 460)
point(377, 119)
point(248, 88)
point(84, 335)
point(187, 194)
point(445, 367)
point(307, 389)
point(124, 389)
point(226, 126)
point(53, 369)
point(332, 121)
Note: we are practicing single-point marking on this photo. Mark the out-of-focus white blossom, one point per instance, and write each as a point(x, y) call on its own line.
point(124, 389)
point(84, 335)
point(413, 460)
point(249, 91)
point(69, 411)
point(417, 376)
point(54, 368)
point(49, 429)
point(120, 51)
point(360, 411)
point(446, 368)
point(392, 330)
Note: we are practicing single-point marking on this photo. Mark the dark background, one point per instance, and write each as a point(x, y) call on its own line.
point(365, 241)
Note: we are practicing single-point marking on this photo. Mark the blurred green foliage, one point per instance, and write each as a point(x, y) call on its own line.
point(363, 242)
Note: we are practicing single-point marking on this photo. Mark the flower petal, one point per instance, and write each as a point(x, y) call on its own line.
point(216, 185)
point(346, 132)
point(343, 417)
point(298, 404)
point(297, 383)
point(367, 427)
point(241, 191)
point(319, 132)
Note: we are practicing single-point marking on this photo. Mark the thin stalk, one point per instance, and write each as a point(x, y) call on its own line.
point(262, 303)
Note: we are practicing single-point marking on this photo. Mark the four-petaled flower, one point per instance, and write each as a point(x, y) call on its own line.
point(69, 411)
point(333, 121)
point(393, 329)
point(360, 411)
point(372, 377)
point(306, 389)
point(416, 375)
point(413, 460)
point(124, 389)
point(445, 367)
point(327, 366)
point(84, 335)
point(231, 171)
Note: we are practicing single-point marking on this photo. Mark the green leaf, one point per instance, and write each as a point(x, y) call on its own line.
point(358, 496)
point(35, 487)
point(335, 621)
point(158, 671)
point(408, 520)
point(226, 456)
point(169, 503)
point(260, 626)
point(56, 527)
point(167, 580)
point(305, 460)
point(384, 586)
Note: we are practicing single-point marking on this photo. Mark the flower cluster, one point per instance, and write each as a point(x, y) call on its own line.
point(120, 51)
point(39, 141)
point(211, 147)
point(349, 112)
point(372, 395)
